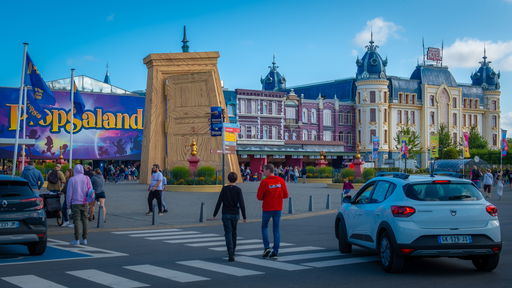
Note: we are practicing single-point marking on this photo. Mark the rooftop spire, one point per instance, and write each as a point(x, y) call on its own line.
point(274, 66)
point(184, 47)
point(371, 47)
point(485, 54)
point(371, 36)
point(107, 77)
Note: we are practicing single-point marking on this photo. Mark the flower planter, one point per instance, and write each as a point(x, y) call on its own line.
point(316, 180)
point(193, 188)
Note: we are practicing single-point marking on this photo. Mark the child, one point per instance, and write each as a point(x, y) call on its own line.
point(232, 202)
point(347, 187)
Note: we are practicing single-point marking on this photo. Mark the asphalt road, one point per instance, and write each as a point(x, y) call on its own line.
point(193, 258)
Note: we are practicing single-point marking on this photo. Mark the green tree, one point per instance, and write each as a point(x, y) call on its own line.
point(477, 141)
point(413, 140)
point(451, 153)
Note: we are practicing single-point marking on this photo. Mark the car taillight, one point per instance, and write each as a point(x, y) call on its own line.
point(492, 210)
point(39, 201)
point(402, 211)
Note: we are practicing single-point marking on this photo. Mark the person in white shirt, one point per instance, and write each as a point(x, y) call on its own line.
point(488, 179)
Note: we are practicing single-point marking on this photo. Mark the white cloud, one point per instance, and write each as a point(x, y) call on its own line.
point(382, 30)
point(111, 17)
point(89, 58)
point(354, 52)
point(467, 52)
point(508, 1)
point(506, 121)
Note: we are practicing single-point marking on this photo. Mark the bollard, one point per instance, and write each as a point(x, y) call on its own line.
point(328, 204)
point(201, 213)
point(100, 213)
point(154, 221)
point(290, 205)
point(310, 203)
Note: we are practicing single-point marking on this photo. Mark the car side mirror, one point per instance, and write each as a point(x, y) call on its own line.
point(347, 199)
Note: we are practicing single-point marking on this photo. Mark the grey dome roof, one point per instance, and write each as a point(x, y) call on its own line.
point(371, 66)
point(274, 81)
point(485, 76)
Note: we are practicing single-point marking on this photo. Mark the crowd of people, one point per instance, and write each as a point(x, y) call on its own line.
point(487, 178)
point(121, 173)
point(287, 173)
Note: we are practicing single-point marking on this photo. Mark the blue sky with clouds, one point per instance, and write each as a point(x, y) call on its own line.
point(313, 40)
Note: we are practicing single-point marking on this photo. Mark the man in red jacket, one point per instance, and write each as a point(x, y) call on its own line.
point(272, 191)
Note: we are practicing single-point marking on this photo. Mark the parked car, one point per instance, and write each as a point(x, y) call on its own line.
point(22, 217)
point(402, 216)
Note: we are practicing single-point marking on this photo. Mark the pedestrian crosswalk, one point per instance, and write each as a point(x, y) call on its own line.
point(248, 263)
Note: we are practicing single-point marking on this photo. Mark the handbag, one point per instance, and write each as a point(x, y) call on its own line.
point(90, 196)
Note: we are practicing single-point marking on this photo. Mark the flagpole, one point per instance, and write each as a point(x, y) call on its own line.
point(72, 117)
point(17, 141)
point(24, 126)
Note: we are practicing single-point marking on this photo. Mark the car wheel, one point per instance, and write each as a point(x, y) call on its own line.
point(343, 245)
point(390, 259)
point(486, 263)
point(37, 248)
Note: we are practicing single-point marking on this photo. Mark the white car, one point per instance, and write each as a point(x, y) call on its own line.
point(402, 216)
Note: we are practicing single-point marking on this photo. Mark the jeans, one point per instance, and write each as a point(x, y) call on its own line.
point(65, 216)
point(152, 195)
point(80, 217)
point(276, 219)
point(230, 221)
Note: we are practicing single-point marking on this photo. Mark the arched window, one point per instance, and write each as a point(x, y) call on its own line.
point(432, 101)
point(373, 97)
point(286, 136)
point(294, 136)
point(265, 107)
point(494, 105)
point(313, 116)
point(314, 135)
point(454, 102)
point(348, 138)
point(304, 115)
point(454, 119)
point(327, 117)
point(304, 135)
point(494, 121)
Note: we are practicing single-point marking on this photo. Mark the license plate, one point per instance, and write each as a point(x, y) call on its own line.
point(454, 239)
point(9, 224)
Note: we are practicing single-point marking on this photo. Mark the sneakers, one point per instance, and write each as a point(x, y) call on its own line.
point(83, 242)
point(160, 214)
point(149, 213)
point(74, 243)
point(71, 225)
point(231, 259)
point(166, 211)
point(273, 255)
point(266, 253)
point(66, 223)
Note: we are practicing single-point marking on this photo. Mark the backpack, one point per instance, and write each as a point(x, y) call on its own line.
point(53, 177)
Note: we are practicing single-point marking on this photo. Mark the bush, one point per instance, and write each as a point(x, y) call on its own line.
point(325, 172)
point(368, 173)
point(310, 170)
point(348, 173)
point(205, 172)
point(180, 173)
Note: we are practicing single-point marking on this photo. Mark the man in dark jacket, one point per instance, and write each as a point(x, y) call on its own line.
point(33, 176)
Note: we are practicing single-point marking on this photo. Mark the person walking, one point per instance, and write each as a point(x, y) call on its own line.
point(475, 176)
point(33, 176)
point(65, 207)
point(488, 180)
point(56, 180)
point(98, 182)
point(304, 173)
point(272, 191)
point(232, 201)
point(499, 185)
point(79, 186)
point(347, 187)
point(296, 174)
point(155, 190)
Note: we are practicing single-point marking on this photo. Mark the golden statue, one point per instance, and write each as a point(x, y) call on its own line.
point(358, 151)
point(193, 148)
point(322, 155)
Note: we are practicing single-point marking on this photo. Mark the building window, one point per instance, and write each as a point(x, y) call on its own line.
point(385, 96)
point(305, 135)
point(494, 105)
point(373, 115)
point(470, 121)
point(406, 98)
point(294, 136)
point(358, 97)
point(342, 137)
point(290, 113)
point(327, 117)
point(313, 116)
point(314, 135)
point(286, 136)
point(385, 115)
point(373, 133)
point(274, 108)
point(372, 97)
point(385, 136)
point(475, 120)
point(274, 133)
point(406, 116)
point(242, 105)
point(265, 132)
point(476, 104)
point(494, 121)
point(242, 132)
point(432, 118)
point(348, 138)
point(400, 98)
point(454, 119)
point(455, 140)
point(253, 107)
point(413, 98)
point(465, 103)
point(470, 103)
point(265, 108)
point(327, 136)
point(413, 117)
point(359, 116)
point(399, 116)
point(464, 120)
point(304, 115)
point(454, 102)
point(432, 100)
point(359, 136)
point(494, 139)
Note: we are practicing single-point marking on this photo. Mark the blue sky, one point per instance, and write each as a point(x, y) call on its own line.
point(313, 40)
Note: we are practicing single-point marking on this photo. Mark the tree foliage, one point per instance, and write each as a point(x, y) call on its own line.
point(413, 140)
point(477, 141)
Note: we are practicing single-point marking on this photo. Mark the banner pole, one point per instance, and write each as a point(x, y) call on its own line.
point(22, 86)
point(72, 88)
point(24, 127)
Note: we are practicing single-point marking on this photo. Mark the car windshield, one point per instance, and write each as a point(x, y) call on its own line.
point(14, 189)
point(443, 192)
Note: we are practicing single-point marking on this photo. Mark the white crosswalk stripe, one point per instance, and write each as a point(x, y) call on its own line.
point(182, 236)
point(338, 262)
point(284, 250)
point(220, 268)
point(194, 240)
point(147, 231)
point(270, 263)
point(217, 243)
point(167, 273)
point(309, 256)
point(246, 247)
point(164, 234)
point(31, 281)
point(106, 279)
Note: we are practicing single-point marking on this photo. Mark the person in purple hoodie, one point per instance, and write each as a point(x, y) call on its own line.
point(76, 197)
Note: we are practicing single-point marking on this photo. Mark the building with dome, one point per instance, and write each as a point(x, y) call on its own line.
point(290, 126)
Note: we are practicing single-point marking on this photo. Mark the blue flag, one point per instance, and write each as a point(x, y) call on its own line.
point(41, 93)
point(78, 101)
